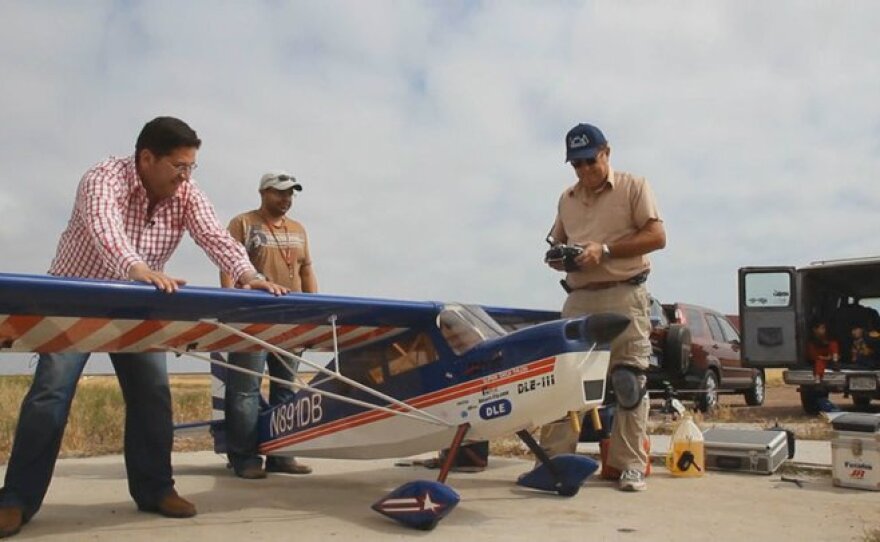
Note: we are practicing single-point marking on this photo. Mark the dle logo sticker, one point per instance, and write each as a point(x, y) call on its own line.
point(495, 409)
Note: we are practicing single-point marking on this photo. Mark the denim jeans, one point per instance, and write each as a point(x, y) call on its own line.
point(43, 417)
point(243, 401)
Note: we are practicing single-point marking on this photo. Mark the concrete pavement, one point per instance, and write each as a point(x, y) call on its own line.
point(88, 500)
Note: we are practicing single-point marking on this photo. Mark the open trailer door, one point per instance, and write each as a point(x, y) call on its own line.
point(767, 316)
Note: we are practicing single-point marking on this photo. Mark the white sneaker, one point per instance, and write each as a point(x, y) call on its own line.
point(632, 480)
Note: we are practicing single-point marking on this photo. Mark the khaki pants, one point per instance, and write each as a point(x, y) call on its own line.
point(632, 347)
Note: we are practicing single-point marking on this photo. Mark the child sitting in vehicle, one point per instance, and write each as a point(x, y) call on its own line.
point(821, 350)
point(864, 348)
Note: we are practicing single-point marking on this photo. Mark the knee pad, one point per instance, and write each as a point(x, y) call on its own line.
point(629, 385)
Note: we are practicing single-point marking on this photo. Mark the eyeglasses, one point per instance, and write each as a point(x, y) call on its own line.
point(580, 162)
point(285, 178)
point(185, 169)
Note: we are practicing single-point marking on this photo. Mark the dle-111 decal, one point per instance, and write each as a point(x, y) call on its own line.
point(536, 383)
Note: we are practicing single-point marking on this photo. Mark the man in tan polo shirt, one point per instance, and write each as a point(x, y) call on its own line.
point(612, 215)
point(277, 247)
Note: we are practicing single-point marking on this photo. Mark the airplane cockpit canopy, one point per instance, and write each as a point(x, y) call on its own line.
point(465, 326)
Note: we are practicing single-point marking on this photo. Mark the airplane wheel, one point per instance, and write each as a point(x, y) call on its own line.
point(568, 491)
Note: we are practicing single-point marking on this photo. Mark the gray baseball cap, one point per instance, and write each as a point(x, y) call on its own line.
point(279, 180)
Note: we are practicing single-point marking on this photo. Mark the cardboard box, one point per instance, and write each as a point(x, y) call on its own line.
point(855, 451)
point(745, 450)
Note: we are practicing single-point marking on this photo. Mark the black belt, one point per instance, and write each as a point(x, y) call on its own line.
point(604, 285)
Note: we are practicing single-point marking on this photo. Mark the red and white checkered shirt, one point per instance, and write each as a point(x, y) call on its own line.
point(109, 229)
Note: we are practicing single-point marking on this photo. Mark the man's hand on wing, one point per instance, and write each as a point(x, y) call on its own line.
point(141, 272)
point(256, 281)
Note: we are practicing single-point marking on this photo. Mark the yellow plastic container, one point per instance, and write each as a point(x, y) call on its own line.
point(686, 456)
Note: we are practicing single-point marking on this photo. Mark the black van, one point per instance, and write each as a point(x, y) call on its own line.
point(778, 305)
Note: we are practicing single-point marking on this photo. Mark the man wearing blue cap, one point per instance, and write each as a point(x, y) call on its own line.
point(613, 217)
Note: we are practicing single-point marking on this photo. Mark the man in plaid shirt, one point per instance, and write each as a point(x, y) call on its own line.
point(129, 216)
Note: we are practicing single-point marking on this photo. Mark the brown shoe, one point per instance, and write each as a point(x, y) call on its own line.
point(250, 472)
point(173, 505)
point(10, 520)
point(286, 466)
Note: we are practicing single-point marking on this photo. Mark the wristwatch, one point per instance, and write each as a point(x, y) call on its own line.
point(259, 276)
point(606, 252)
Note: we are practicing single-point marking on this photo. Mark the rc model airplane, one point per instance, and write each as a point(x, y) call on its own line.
point(405, 377)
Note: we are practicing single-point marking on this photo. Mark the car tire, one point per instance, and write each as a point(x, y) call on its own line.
point(810, 400)
point(862, 402)
point(707, 398)
point(755, 395)
point(677, 351)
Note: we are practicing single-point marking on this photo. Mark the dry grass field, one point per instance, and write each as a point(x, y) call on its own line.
point(96, 419)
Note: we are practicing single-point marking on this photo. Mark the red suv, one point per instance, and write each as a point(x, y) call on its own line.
point(697, 351)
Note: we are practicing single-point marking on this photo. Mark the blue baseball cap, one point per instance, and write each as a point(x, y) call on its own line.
point(584, 141)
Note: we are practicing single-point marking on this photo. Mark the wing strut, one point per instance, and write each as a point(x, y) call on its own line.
point(335, 344)
point(323, 370)
point(418, 414)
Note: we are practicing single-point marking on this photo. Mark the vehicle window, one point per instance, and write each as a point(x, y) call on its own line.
point(365, 364)
point(464, 326)
point(368, 364)
point(408, 354)
point(460, 336)
point(730, 333)
point(768, 290)
point(871, 303)
point(695, 322)
point(715, 328)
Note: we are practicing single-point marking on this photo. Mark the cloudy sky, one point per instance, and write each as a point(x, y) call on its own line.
point(429, 135)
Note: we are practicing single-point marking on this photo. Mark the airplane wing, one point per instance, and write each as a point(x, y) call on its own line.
point(40, 313)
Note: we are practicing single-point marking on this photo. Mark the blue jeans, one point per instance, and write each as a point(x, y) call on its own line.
point(43, 417)
point(243, 401)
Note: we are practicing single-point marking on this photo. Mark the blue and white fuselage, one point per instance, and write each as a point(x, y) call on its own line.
point(517, 381)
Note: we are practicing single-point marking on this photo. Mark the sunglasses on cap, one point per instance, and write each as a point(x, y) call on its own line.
point(285, 178)
point(579, 162)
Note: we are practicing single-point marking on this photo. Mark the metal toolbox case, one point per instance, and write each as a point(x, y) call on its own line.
point(745, 450)
point(855, 451)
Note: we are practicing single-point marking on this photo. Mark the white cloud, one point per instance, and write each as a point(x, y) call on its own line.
point(429, 135)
